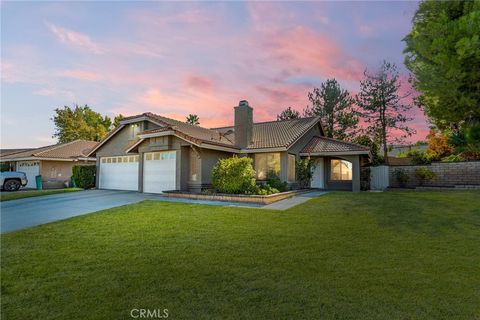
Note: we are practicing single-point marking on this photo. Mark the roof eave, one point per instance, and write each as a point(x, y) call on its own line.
point(335, 153)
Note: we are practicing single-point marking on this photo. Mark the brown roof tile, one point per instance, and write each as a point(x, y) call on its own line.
point(324, 144)
point(69, 150)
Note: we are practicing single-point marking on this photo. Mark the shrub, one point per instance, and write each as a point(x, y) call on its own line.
point(84, 176)
point(274, 181)
point(263, 189)
point(304, 169)
point(423, 174)
point(419, 157)
point(233, 175)
point(401, 176)
point(452, 158)
point(365, 179)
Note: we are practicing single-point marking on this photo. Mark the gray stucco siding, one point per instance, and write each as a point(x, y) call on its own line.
point(116, 145)
point(209, 159)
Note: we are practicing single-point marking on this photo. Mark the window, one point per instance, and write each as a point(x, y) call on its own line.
point(340, 170)
point(291, 167)
point(134, 129)
point(265, 162)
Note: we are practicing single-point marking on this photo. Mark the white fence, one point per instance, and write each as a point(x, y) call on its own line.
point(379, 178)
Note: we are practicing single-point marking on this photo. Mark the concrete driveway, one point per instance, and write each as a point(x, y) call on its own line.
point(28, 212)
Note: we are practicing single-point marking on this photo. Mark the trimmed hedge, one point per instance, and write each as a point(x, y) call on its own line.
point(84, 176)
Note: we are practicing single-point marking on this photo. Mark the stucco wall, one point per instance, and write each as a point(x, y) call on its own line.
point(56, 173)
point(209, 159)
point(117, 144)
point(447, 174)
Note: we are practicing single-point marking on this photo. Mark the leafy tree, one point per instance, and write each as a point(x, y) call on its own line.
point(443, 53)
point(80, 123)
point(117, 119)
point(382, 107)
point(438, 146)
point(334, 105)
point(288, 114)
point(366, 141)
point(193, 119)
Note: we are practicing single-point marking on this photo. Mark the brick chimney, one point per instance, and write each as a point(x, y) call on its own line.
point(243, 124)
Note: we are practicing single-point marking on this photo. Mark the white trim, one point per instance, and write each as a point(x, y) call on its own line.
point(134, 145)
point(337, 153)
point(133, 120)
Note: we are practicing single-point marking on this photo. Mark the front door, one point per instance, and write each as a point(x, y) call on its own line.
point(318, 177)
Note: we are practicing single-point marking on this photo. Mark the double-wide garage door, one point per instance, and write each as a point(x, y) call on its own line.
point(121, 173)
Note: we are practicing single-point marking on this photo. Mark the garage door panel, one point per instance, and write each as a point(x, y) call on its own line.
point(159, 171)
point(31, 169)
point(119, 175)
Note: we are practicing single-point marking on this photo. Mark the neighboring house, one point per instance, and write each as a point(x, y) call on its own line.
point(54, 163)
point(395, 150)
point(151, 153)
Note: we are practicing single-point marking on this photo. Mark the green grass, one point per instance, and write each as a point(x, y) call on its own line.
point(6, 196)
point(392, 255)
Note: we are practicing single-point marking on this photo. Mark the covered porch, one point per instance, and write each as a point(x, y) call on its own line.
point(336, 163)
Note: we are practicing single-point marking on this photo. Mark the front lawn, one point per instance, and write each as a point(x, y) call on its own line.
point(392, 255)
point(6, 196)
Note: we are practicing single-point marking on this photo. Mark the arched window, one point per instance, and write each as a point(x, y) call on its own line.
point(340, 170)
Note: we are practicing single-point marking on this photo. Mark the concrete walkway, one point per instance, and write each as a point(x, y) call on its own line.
point(293, 201)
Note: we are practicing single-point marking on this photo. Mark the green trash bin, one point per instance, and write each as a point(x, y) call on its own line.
point(39, 183)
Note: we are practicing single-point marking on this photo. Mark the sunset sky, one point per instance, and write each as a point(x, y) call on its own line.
point(179, 58)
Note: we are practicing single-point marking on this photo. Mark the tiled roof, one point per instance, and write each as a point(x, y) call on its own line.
point(7, 152)
point(273, 134)
point(69, 150)
point(326, 145)
point(200, 134)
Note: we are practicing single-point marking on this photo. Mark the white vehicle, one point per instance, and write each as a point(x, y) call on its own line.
point(12, 180)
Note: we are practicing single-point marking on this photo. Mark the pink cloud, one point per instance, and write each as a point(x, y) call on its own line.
point(199, 83)
point(75, 39)
point(302, 50)
point(81, 75)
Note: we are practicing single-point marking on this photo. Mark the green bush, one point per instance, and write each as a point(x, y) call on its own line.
point(419, 157)
point(274, 181)
point(234, 175)
point(304, 169)
point(84, 176)
point(423, 174)
point(365, 179)
point(401, 176)
point(452, 158)
point(263, 189)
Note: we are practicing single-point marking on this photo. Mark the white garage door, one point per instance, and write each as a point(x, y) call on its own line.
point(159, 171)
point(31, 169)
point(119, 173)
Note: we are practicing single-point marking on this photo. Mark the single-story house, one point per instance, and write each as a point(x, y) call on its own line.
point(151, 153)
point(54, 163)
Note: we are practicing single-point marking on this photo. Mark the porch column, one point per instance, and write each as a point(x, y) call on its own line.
point(355, 173)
